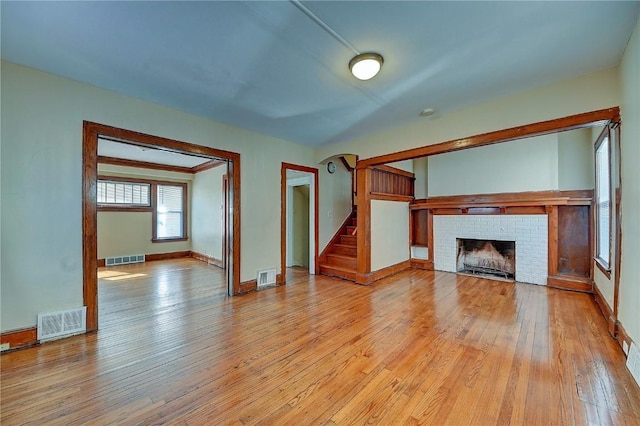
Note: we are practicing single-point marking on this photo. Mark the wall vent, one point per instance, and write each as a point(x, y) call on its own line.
point(123, 260)
point(633, 362)
point(62, 323)
point(266, 278)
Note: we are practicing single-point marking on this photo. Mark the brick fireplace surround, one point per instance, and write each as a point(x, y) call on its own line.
point(530, 233)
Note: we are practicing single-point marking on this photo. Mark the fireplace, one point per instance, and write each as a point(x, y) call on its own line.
point(528, 231)
point(486, 258)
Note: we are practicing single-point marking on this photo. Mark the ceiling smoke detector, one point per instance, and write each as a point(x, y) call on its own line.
point(427, 112)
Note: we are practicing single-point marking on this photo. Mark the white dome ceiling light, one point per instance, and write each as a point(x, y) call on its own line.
point(365, 66)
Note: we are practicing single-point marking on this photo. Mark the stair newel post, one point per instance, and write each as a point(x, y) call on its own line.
point(363, 179)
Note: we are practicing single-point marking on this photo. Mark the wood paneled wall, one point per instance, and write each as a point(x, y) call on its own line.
point(390, 180)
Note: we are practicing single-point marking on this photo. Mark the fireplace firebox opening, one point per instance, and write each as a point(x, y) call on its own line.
point(487, 258)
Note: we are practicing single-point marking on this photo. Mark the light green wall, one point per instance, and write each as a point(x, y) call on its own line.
point(41, 178)
point(389, 233)
point(207, 216)
point(559, 161)
point(575, 160)
point(629, 312)
point(525, 165)
point(421, 173)
point(300, 226)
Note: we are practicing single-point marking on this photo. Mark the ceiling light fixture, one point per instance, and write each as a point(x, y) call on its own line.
point(365, 66)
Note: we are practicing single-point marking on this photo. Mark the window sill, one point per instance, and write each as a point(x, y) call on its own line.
point(168, 240)
point(123, 209)
point(603, 268)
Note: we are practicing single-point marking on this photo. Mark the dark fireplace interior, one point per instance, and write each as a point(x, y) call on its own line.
point(487, 258)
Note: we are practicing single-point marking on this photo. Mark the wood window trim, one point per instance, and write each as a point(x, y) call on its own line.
point(603, 264)
point(153, 183)
point(124, 209)
point(154, 221)
point(603, 268)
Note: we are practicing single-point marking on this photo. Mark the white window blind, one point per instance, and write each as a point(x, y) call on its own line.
point(123, 193)
point(170, 214)
point(603, 202)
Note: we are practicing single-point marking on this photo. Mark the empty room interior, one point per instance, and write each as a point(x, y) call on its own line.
point(309, 212)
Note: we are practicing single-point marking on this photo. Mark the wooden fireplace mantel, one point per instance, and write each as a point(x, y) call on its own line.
point(534, 202)
point(570, 227)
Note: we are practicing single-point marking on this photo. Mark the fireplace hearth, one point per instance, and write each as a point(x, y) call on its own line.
point(486, 258)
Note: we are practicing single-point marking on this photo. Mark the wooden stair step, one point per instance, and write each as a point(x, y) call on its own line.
point(337, 271)
point(336, 259)
point(351, 230)
point(348, 239)
point(348, 249)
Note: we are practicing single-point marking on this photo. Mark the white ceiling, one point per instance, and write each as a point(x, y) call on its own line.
point(266, 66)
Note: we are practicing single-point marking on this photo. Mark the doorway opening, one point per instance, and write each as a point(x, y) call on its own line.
point(299, 218)
point(92, 132)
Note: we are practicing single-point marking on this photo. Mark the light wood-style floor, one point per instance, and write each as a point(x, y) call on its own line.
point(419, 348)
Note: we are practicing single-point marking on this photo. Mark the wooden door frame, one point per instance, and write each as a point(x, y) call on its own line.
point(283, 215)
point(225, 215)
point(90, 134)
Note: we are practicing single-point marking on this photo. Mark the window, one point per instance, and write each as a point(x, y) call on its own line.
point(123, 194)
point(603, 202)
point(167, 201)
point(169, 212)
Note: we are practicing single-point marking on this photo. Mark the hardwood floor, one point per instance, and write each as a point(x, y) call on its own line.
point(417, 348)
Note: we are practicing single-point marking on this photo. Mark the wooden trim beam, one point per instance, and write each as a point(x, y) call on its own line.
point(90, 134)
point(394, 170)
point(143, 164)
point(207, 259)
point(368, 278)
point(576, 121)
point(605, 309)
point(582, 284)
point(552, 255)
point(617, 232)
point(390, 197)
point(425, 264)
point(507, 199)
point(20, 338)
point(430, 235)
point(252, 285)
point(166, 256)
point(363, 234)
point(623, 337)
point(155, 256)
point(207, 166)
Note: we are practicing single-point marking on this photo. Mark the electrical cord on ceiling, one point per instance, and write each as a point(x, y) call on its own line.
point(325, 27)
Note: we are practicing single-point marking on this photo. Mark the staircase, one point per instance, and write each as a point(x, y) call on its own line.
point(339, 258)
